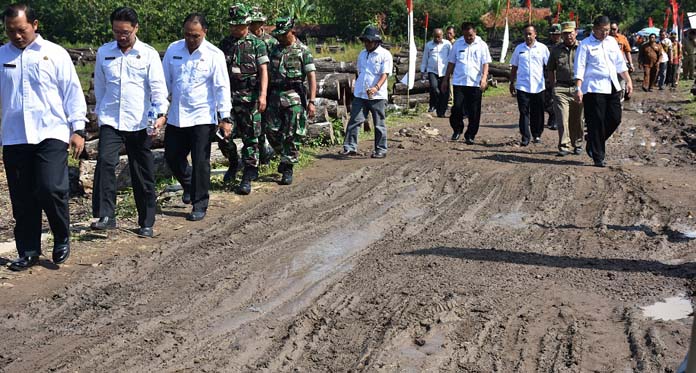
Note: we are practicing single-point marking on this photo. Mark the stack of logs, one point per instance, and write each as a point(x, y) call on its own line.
point(419, 94)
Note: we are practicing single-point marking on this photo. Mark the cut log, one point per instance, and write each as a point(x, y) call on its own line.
point(419, 86)
point(330, 86)
point(338, 67)
point(412, 100)
point(322, 129)
point(499, 70)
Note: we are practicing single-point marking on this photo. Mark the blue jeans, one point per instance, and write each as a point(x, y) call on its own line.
point(662, 75)
point(358, 112)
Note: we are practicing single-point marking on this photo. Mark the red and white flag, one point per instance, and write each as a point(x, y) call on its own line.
point(410, 78)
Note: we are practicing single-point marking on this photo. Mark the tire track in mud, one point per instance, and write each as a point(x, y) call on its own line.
point(432, 261)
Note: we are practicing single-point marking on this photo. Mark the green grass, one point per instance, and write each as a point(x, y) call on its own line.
point(84, 72)
point(503, 89)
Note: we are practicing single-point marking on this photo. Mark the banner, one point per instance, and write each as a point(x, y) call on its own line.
point(506, 42)
point(410, 77)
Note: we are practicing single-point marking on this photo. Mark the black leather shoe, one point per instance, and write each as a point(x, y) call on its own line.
point(287, 175)
point(281, 167)
point(61, 251)
point(186, 197)
point(468, 141)
point(536, 140)
point(22, 264)
point(562, 153)
point(601, 163)
point(195, 215)
point(146, 232)
point(347, 153)
point(553, 127)
point(379, 154)
point(104, 224)
point(524, 143)
point(455, 136)
point(577, 151)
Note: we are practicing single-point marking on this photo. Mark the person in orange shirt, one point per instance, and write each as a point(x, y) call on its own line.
point(625, 47)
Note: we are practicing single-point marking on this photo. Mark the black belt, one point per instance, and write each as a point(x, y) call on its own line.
point(565, 84)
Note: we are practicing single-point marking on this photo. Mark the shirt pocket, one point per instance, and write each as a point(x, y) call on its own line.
point(201, 72)
point(42, 73)
point(137, 67)
point(111, 69)
point(461, 56)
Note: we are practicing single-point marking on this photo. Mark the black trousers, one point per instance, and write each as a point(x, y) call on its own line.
point(603, 116)
point(531, 106)
point(466, 100)
point(37, 176)
point(142, 172)
point(548, 107)
point(194, 178)
point(438, 98)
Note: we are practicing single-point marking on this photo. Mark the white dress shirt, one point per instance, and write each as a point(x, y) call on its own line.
point(469, 60)
point(40, 93)
point(597, 64)
point(371, 66)
point(198, 83)
point(435, 57)
point(125, 85)
point(530, 62)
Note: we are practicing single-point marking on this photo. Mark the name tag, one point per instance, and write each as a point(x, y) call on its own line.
point(178, 57)
point(109, 58)
point(236, 70)
point(9, 65)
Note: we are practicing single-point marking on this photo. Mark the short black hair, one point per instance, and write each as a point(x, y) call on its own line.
point(12, 11)
point(450, 28)
point(529, 25)
point(468, 26)
point(196, 18)
point(601, 21)
point(124, 14)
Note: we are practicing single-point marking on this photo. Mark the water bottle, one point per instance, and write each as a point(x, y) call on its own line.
point(151, 118)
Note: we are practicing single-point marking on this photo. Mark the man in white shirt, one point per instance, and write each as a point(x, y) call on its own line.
point(528, 84)
point(128, 82)
point(467, 68)
point(196, 75)
point(663, 73)
point(598, 63)
point(43, 110)
point(434, 66)
point(370, 94)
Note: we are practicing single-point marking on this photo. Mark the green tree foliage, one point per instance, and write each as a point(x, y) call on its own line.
point(87, 21)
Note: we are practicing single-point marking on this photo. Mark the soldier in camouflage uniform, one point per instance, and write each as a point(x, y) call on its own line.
point(258, 20)
point(291, 63)
point(247, 62)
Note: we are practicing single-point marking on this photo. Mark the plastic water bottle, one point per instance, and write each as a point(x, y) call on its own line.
point(151, 118)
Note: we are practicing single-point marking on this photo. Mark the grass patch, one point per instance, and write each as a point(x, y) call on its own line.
point(503, 89)
point(84, 73)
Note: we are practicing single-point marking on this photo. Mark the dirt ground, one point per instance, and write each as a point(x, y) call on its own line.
point(441, 257)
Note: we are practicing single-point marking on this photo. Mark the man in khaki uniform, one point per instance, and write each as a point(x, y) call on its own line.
point(560, 75)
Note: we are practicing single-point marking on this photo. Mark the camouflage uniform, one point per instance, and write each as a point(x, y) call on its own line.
point(548, 92)
point(287, 109)
point(244, 57)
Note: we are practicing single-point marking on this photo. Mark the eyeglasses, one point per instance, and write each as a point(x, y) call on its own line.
point(125, 33)
point(614, 29)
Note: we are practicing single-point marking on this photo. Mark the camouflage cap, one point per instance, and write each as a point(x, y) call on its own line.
point(283, 25)
point(555, 29)
point(568, 26)
point(240, 14)
point(257, 15)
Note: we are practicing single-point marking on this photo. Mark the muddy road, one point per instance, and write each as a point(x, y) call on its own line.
point(442, 257)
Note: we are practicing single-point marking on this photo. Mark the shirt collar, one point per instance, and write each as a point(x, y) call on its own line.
point(36, 44)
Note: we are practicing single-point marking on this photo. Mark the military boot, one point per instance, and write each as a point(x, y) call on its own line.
point(250, 173)
point(231, 173)
point(287, 174)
